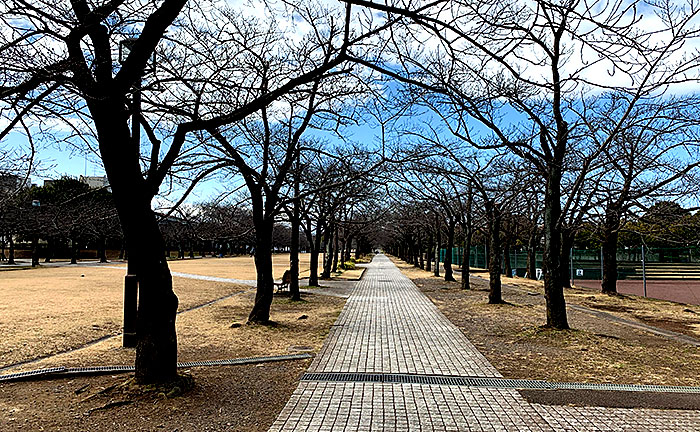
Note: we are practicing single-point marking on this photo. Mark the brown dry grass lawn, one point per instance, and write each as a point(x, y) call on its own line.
point(48, 310)
point(597, 350)
point(229, 398)
point(240, 267)
point(51, 309)
point(236, 398)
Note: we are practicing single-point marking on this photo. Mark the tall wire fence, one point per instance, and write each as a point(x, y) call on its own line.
point(663, 273)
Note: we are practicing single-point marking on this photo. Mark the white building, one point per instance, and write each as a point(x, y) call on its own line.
point(95, 182)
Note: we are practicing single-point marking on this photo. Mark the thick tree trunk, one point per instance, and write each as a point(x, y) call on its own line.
point(610, 236)
point(263, 269)
point(156, 349)
point(156, 346)
point(493, 214)
point(448, 251)
point(551, 265)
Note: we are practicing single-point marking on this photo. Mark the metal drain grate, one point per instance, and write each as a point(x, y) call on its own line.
point(245, 360)
point(488, 382)
point(98, 370)
point(426, 379)
point(31, 374)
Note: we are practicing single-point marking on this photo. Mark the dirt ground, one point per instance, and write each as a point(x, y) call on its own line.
point(237, 398)
point(512, 338)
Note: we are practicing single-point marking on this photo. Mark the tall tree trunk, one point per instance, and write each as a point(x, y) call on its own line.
point(328, 252)
point(567, 242)
point(180, 250)
point(429, 253)
point(73, 250)
point(315, 246)
point(294, 252)
point(11, 252)
point(263, 269)
point(448, 251)
point(532, 255)
point(156, 349)
point(493, 213)
point(610, 236)
point(103, 249)
point(467, 240)
point(49, 250)
point(436, 270)
point(336, 250)
point(35, 250)
point(507, 267)
point(348, 249)
point(421, 264)
point(551, 263)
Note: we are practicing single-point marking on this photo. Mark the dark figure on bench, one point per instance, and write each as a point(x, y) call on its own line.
point(286, 279)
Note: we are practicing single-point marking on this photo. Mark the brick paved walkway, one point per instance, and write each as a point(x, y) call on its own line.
point(388, 326)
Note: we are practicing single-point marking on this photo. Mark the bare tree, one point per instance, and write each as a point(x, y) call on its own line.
point(59, 65)
point(537, 59)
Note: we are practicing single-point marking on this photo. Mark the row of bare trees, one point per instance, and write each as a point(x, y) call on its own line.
point(581, 96)
point(530, 110)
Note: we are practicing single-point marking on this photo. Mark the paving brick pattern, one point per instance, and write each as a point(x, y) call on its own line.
point(388, 326)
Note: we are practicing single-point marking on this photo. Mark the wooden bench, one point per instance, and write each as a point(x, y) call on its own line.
point(286, 279)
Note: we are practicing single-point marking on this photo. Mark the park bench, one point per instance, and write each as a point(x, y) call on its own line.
point(286, 279)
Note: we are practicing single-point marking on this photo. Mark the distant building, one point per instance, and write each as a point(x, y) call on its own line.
point(95, 182)
point(9, 183)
